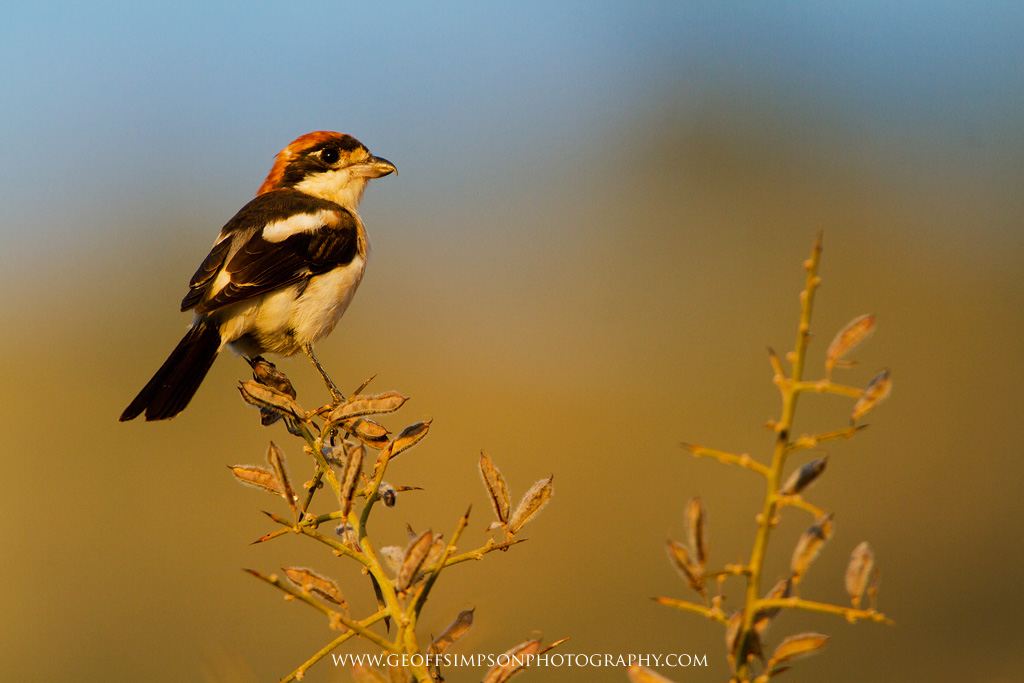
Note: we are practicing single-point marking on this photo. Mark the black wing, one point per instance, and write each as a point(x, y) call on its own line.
point(276, 240)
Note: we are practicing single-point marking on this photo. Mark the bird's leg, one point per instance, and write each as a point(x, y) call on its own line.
point(336, 395)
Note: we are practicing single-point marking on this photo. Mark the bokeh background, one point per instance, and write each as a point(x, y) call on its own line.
point(597, 228)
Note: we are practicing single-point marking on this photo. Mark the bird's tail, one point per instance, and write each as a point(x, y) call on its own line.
point(177, 380)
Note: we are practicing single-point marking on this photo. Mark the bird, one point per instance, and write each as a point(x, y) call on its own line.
point(281, 273)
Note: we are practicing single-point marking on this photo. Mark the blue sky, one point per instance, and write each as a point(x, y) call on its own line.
point(112, 100)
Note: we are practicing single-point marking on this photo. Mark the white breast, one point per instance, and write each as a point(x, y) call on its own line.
point(283, 321)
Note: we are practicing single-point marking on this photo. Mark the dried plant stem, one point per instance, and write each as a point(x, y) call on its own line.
point(713, 613)
point(849, 613)
point(746, 624)
point(798, 502)
point(334, 616)
point(788, 387)
point(826, 387)
point(401, 591)
point(416, 605)
point(807, 441)
point(743, 460)
point(300, 672)
point(316, 445)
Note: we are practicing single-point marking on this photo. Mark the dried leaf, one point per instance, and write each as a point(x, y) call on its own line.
point(358, 406)
point(455, 630)
point(804, 477)
point(856, 331)
point(257, 394)
point(532, 503)
point(311, 582)
point(257, 477)
point(796, 646)
point(413, 559)
point(809, 545)
point(858, 571)
point(275, 456)
point(690, 570)
point(496, 488)
point(695, 525)
point(350, 477)
point(409, 437)
point(877, 389)
point(641, 674)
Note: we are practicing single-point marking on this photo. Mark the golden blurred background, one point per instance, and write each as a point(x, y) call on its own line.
point(597, 227)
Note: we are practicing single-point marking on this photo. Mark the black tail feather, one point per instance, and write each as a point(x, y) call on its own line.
point(177, 380)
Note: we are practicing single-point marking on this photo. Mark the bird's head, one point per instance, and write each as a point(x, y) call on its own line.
point(332, 166)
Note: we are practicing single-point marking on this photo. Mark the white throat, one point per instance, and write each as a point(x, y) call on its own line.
point(341, 187)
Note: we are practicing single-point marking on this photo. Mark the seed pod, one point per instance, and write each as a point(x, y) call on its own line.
point(809, 545)
point(311, 582)
point(763, 619)
point(357, 406)
point(496, 487)
point(348, 534)
point(877, 389)
point(514, 659)
point(855, 331)
point(695, 526)
point(804, 477)
point(741, 649)
point(276, 459)
point(455, 630)
point(333, 455)
point(369, 432)
point(409, 437)
point(858, 572)
point(415, 554)
point(258, 477)
point(687, 568)
point(796, 646)
point(260, 395)
point(364, 674)
point(532, 503)
point(397, 674)
point(265, 372)
point(350, 477)
point(393, 555)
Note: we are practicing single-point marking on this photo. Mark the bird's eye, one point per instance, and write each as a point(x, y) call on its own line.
point(329, 156)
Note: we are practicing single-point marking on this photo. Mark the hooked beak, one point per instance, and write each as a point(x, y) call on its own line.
point(375, 167)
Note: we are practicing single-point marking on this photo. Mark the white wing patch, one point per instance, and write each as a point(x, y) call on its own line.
point(279, 231)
